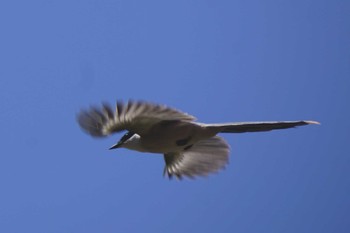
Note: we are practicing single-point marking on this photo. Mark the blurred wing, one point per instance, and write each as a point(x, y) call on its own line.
point(204, 157)
point(137, 117)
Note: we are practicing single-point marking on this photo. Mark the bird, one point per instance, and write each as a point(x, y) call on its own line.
point(191, 149)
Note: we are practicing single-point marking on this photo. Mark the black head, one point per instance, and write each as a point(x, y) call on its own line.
point(123, 139)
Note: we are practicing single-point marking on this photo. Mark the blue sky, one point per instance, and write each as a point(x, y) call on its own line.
point(221, 61)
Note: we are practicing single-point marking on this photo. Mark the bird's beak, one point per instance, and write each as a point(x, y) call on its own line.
point(115, 146)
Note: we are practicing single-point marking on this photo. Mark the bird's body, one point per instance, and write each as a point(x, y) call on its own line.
point(172, 136)
point(190, 148)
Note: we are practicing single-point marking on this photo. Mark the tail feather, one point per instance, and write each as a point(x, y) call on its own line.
point(243, 127)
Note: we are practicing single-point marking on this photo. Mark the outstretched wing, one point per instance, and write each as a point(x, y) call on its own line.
point(204, 157)
point(137, 117)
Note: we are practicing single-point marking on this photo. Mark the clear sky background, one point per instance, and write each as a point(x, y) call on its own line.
point(221, 61)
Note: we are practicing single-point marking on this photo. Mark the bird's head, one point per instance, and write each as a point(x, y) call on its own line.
point(129, 140)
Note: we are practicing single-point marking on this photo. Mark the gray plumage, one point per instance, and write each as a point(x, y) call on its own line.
point(190, 148)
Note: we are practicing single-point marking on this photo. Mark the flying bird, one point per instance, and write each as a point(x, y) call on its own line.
point(190, 148)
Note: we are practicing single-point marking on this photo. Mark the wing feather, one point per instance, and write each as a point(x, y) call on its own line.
point(204, 157)
point(137, 117)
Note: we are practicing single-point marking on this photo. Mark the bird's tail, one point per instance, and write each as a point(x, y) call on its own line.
point(244, 127)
